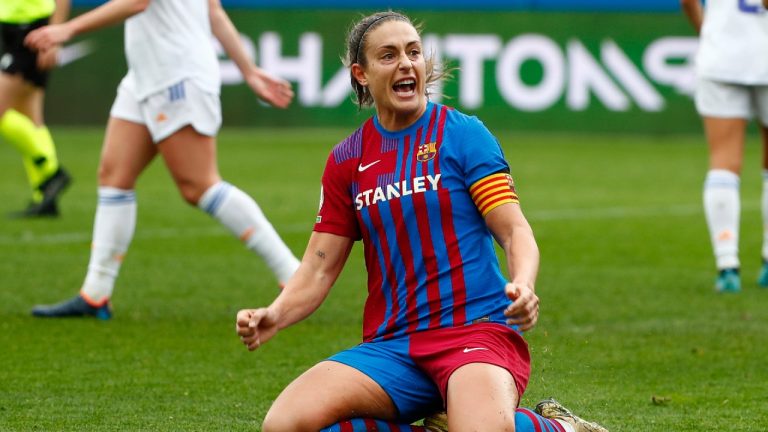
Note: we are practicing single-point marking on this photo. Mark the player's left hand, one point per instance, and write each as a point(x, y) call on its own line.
point(275, 91)
point(524, 309)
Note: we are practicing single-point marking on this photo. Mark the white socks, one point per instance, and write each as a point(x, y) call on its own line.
point(243, 217)
point(722, 207)
point(112, 233)
point(115, 223)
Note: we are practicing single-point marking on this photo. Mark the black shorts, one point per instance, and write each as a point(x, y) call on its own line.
point(17, 59)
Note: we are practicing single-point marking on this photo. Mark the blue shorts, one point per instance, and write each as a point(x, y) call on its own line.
point(414, 369)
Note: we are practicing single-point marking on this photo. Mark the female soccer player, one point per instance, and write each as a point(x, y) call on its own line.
point(167, 104)
point(427, 189)
point(732, 88)
point(23, 79)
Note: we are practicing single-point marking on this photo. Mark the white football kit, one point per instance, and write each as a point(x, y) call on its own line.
point(732, 64)
point(173, 72)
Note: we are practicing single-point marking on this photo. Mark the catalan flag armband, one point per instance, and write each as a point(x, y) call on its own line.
point(493, 191)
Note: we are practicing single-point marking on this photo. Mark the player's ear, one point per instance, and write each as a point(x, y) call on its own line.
point(359, 74)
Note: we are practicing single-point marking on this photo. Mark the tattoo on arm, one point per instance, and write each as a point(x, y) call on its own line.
point(320, 254)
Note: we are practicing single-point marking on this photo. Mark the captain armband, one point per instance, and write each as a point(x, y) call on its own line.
point(493, 191)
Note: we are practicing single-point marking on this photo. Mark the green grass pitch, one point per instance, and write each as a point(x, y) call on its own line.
point(628, 312)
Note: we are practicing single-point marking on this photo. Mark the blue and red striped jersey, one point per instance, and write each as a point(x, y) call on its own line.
point(417, 198)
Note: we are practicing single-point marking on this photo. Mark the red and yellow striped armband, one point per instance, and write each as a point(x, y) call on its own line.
point(493, 191)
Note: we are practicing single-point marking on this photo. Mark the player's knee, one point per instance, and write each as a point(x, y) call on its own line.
point(498, 421)
point(292, 418)
point(502, 425)
point(105, 174)
point(108, 176)
point(191, 193)
point(288, 422)
point(509, 425)
point(272, 424)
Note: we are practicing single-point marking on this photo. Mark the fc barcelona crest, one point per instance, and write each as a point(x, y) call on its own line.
point(426, 152)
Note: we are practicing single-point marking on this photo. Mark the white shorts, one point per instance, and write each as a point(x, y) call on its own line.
point(720, 99)
point(169, 110)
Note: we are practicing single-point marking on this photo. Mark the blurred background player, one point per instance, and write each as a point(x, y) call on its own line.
point(427, 189)
point(167, 104)
point(731, 89)
point(23, 78)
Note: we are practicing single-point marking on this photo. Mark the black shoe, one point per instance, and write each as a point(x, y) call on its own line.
point(54, 185)
point(51, 188)
point(76, 307)
point(34, 210)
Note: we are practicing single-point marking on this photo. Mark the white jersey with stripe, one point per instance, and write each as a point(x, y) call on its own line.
point(169, 42)
point(734, 42)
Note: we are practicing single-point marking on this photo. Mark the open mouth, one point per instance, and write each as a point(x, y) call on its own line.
point(405, 87)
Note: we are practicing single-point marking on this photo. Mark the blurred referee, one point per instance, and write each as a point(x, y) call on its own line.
point(23, 78)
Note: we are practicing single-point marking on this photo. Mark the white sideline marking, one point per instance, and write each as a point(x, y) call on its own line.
point(28, 237)
point(217, 231)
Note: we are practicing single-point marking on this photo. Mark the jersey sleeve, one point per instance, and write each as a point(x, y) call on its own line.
point(482, 153)
point(336, 214)
point(487, 171)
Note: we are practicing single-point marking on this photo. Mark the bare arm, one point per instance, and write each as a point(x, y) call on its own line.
point(47, 59)
point(62, 11)
point(112, 12)
point(694, 12)
point(277, 92)
point(321, 265)
point(513, 233)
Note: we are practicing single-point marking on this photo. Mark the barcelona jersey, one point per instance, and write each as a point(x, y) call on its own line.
point(417, 198)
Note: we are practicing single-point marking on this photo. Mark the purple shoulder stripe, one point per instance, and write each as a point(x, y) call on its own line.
point(351, 147)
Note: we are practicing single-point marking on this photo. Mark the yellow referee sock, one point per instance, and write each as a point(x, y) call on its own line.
point(35, 145)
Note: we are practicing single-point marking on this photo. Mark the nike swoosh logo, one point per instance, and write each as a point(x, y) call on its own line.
point(73, 52)
point(466, 350)
point(362, 167)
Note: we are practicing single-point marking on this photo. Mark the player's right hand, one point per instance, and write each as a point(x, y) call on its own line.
point(48, 37)
point(273, 90)
point(255, 326)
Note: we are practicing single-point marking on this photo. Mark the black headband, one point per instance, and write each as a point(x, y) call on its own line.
point(362, 36)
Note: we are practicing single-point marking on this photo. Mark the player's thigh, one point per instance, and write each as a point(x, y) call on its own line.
point(10, 90)
point(191, 159)
point(725, 108)
point(481, 396)
point(22, 96)
point(184, 120)
point(126, 152)
point(326, 394)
